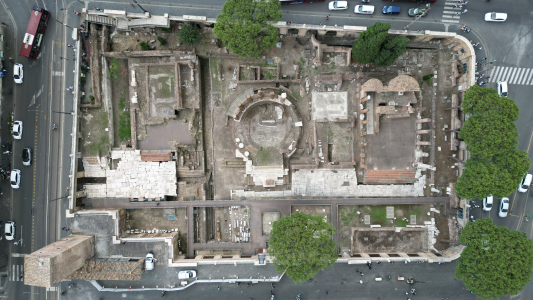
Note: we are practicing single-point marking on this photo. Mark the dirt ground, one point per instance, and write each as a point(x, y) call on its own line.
point(409, 240)
point(349, 217)
point(161, 219)
point(95, 139)
point(228, 224)
point(314, 210)
point(268, 218)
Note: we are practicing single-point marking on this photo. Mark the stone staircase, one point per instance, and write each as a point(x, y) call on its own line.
point(101, 20)
point(389, 176)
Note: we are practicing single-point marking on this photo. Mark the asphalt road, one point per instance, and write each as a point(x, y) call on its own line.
point(39, 221)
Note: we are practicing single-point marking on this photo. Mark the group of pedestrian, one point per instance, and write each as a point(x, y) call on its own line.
point(465, 29)
point(71, 46)
point(66, 229)
point(70, 88)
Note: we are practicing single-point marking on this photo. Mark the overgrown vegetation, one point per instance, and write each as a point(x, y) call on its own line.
point(124, 131)
point(167, 30)
point(161, 40)
point(113, 69)
point(375, 46)
point(189, 34)
point(144, 46)
point(428, 79)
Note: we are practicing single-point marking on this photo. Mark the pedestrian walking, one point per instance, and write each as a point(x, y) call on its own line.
point(455, 5)
point(464, 11)
point(271, 292)
point(327, 293)
point(335, 25)
point(362, 274)
point(218, 288)
point(16, 243)
point(63, 228)
point(468, 30)
point(163, 294)
point(454, 15)
point(5, 24)
point(327, 19)
point(132, 4)
point(480, 48)
point(407, 293)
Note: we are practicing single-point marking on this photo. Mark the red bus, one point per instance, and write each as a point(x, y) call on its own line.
point(35, 32)
point(415, 1)
point(287, 2)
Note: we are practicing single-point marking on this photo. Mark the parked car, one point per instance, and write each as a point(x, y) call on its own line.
point(364, 9)
point(418, 11)
point(526, 182)
point(338, 5)
point(17, 130)
point(26, 156)
point(504, 207)
point(149, 261)
point(495, 17)
point(15, 178)
point(10, 230)
point(18, 73)
point(391, 10)
point(487, 203)
point(502, 88)
point(186, 274)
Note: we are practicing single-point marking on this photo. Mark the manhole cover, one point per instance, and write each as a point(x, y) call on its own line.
point(367, 219)
point(413, 219)
point(171, 217)
point(365, 239)
point(390, 212)
point(390, 239)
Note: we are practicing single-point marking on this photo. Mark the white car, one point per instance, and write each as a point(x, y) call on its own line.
point(504, 207)
point(18, 73)
point(338, 5)
point(150, 261)
point(187, 274)
point(495, 17)
point(17, 130)
point(26, 156)
point(525, 183)
point(15, 178)
point(487, 203)
point(364, 9)
point(10, 230)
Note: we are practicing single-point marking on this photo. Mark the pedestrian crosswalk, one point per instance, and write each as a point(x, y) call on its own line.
point(17, 273)
point(512, 75)
point(451, 14)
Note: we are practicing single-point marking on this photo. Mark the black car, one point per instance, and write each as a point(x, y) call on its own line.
point(26, 156)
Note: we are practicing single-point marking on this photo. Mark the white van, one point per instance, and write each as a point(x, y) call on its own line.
point(526, 182)
point(502, 88)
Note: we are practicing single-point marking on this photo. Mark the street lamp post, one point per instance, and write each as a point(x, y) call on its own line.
point(416, 19)
point(61, 57)
point(63, 112)
point(64, 24)
point(140, 6)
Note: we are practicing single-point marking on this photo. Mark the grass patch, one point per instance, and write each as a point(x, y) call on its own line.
point(124, 130)
point(378, 214)
point(113, 69)
point(268, 74)
point(100, 146)
point(122, 103)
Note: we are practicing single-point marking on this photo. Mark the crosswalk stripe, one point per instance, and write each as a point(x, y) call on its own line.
point(504, 72)
point(450, 21)
point(519, 76)
point(494, 73)
point(524, 78)
point(508, 74)
point(511, 79)
point(512, 74)
point(527, 80)
point(531, 82)
point(17, 271)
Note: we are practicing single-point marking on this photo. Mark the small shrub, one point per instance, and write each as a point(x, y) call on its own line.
point(189, 34)
point(161, 40)
point(113, 69)
point(124, 131)
point(144, 46)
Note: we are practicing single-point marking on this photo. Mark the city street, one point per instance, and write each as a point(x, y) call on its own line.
point(42, 101)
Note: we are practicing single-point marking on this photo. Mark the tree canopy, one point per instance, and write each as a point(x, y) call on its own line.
point(495, 261)
point(189, 34)
point(375, 47)
point(495, 166)
point(489, 134)
point(302, 245)
point(244, 26)
point(484, 100)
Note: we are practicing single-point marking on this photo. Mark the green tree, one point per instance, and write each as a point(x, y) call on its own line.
point(189, 34)
point(245, 26)
point(144, 46)
point(302, 245)
point(486, 100)
point(495, 261)
point(161, 40)
point(375, 47)
point(489, 134)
